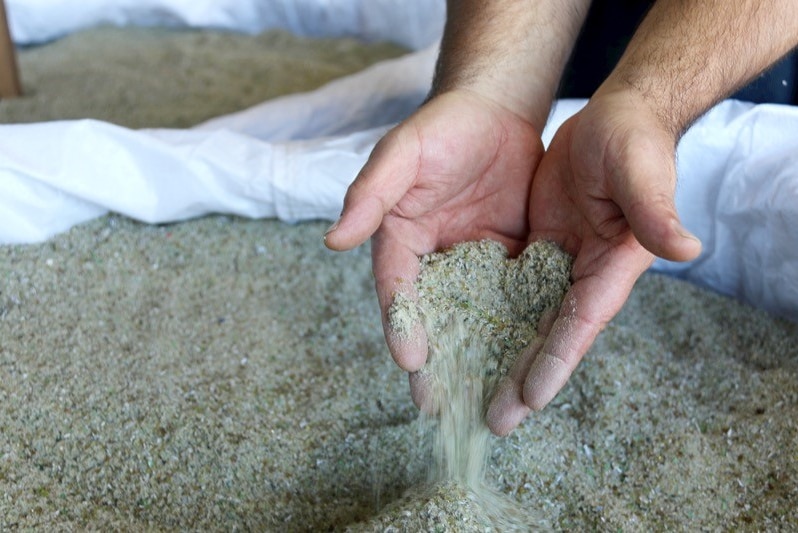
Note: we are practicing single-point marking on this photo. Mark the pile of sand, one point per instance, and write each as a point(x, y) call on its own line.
point(225, 374)
point(152, 77)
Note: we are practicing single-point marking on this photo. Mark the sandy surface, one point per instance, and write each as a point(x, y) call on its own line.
point(223, 374)
point(151, 77)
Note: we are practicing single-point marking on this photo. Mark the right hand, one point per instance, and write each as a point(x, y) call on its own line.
point(459, 169)
point(604, 191)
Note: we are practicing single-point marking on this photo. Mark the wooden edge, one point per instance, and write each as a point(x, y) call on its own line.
point(9, 74)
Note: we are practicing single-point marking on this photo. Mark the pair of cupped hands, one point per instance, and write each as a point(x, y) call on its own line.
point(464, 167)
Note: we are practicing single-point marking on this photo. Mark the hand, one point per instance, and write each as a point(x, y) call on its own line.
point(604, 191)
point(459, 169)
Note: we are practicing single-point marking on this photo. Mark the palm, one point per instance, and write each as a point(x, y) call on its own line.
point(469, 177)
point(604, 187)
point(459, 169)
point(573, 203)
point(604, 191)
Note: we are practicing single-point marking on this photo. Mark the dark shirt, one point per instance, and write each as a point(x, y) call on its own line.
point(609, 27)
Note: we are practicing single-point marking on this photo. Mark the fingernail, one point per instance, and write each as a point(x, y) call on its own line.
point(333, 227)
point(506, 411)
point(686, 234)
point(545, 379)
point(683, 232)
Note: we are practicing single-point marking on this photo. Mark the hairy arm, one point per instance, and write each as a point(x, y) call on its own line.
point(461, 167)
point(688, 55)
point(502, 53)
point(606, 183)
point(511, 51)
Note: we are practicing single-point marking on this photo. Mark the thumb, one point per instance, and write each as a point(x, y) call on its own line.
point(388, 174)
point(646, 199)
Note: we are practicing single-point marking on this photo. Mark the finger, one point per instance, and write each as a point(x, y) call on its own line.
point(357, 222)
point(388, 174)
point(569, 339)
point(396, 268)
point(547, 322)
point(645, 196)
point(422, 393)
point(588, 306)
point(507, 408)
point(656, 225)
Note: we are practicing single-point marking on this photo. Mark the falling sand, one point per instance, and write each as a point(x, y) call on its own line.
point(479, 309)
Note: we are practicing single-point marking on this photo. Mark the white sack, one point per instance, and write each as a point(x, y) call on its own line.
point(411, 23)
point(738, 187)
point(738, 166)
point(55, 175)
point(738, 193)
point(58, 174)
point(382, 94)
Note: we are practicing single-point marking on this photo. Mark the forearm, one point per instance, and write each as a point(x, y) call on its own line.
point(511, 51)
point(688, 55)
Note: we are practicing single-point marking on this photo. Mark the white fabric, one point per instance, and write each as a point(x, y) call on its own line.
point(58, 174)
point(293, 157)
point(738, 193)
point(382, 94)
point(412, 23)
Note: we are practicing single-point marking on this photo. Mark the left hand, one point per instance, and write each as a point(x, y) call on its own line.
point(603, 191)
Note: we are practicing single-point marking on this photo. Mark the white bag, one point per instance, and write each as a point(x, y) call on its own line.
point(294, 156)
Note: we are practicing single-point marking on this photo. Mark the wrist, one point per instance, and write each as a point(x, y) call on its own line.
point(654, 107)
point(616, 118)
point(534, 111)
point(687, 56)
point(509, 52)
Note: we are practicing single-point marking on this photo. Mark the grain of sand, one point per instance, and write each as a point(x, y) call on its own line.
point(225, 374)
